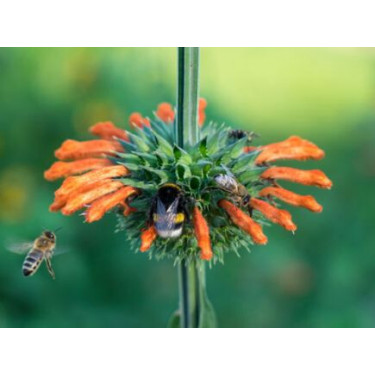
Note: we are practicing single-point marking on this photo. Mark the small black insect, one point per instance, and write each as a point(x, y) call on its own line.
point(239, 134)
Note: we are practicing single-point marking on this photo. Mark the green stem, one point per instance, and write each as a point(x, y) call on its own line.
point(187, 96)
point(186, 133)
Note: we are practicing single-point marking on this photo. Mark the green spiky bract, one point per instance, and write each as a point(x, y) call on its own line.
point(154, 159)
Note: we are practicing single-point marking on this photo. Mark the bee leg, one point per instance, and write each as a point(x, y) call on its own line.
point(250, 209)
point(49, 266)
point(184, 206)
point(186, 212)
point(210, 188)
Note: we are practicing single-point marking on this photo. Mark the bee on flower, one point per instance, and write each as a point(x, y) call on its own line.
point(198, 202)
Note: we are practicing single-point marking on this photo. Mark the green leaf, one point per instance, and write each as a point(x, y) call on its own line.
point(182, 171)
point(163, 159)
point(148, 158)
point(146, 135)
point(175, 320)
point(181, 155)
point(199, 149)
point(244, 162)
point(163, 176)
point(237, 148)
point(203, 147)
point(195, 183)
point(163, 130)
point(216, 142)
point(205, 165)
point(137, 184)
point(150, 135)
point(164, 146)
point(139, 142)
point(217, 170)
point(250, 175)
point(233, 151)
point(129, 147)
point(131, 166)
point(207, 316)
point(201, 167)
point(130, 158)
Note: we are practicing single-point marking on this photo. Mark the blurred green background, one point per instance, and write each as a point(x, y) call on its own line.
point(323, 276)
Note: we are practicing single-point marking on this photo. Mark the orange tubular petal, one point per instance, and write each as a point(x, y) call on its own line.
point(148, 236)
point(165, 112)
point(281, 217)
point(243, 221)
point(136, 120)
point(313, 177)
point(57, 205)
point(294, 199)
point(202, 232)
point(83, 182)
point(292, 141)
point(202, 104)
point(201, 118)
point(71, 149)
point(293, 152)
point(99, 207)
point(97, 189)
point(201, 111)
point(127, 209)
point(247, 149)
point(61, 169)
point(106, 130)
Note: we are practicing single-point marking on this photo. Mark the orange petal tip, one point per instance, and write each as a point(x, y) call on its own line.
point(148, 236)
point(165, 112)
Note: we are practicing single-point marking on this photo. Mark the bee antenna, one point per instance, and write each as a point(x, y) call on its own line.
point(59, 228)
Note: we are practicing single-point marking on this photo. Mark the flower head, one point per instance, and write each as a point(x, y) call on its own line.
point(197, 202)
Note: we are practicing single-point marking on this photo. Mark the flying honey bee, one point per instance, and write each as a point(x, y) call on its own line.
point(229, 184)
point(239, 134)
point(41, 249)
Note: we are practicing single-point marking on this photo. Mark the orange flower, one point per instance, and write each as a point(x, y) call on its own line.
point(165, 112)
point(250, 149)
point(243, 221)
point(79, 199)
point(281, 217)
point(71, 149)
point(148, 236)
point(294, 199)
point(137, 120)
point(127, 209)
point(99, 207)
point(201, 111)
point(292, 141)
point(61, 169)
point(294, 148)
point(74, 184)
point(106, 130)
point(202, 232)
point(313, 177)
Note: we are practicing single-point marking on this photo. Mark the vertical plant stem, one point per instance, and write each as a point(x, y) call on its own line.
point(187, 96)
point(187, 133)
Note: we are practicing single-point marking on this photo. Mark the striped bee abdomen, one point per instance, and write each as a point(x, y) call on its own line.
point(32, 262)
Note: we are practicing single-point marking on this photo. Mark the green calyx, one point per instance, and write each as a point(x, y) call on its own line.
point(154, 159)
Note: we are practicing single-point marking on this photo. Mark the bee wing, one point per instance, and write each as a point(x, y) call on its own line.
point(166, 217)
point(19, 247)
point(60, 250)
point(160, 208)
point(171, 214)
point(226, 182)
